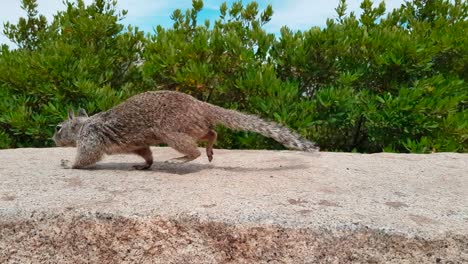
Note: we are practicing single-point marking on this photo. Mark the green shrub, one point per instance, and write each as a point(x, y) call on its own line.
point(425, 117)
point(73, 61)
point(367, 83)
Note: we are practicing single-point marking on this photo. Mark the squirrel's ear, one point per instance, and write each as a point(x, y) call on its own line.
point(71, 114)
point(82, 112)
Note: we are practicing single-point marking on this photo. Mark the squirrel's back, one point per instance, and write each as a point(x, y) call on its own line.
point(152, 116)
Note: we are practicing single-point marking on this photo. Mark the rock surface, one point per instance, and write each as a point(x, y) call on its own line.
point(244, 207)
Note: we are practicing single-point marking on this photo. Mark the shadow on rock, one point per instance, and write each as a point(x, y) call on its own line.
point(188, 168)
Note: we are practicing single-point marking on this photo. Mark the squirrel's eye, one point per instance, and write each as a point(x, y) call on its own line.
point(57, 128)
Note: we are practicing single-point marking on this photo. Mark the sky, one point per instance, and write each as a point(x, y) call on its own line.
point(146, 14)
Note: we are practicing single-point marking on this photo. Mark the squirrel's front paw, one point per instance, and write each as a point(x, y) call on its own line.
point(65, 164)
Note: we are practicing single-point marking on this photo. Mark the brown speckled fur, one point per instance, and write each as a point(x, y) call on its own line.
point(176, 119)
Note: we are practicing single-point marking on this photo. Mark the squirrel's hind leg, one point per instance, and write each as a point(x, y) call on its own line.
point(184, 144)
point(210, 137)
point(145, 153)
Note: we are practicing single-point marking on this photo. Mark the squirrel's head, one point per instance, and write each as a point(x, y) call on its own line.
point(67, 131)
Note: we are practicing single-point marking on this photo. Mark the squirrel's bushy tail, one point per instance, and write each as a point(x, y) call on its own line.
point(239, 121)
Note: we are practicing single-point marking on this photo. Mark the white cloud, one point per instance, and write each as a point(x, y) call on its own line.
point(302, 14)
point(296, 14)
point(11, 11)
point(144, 8)
point(138, 11)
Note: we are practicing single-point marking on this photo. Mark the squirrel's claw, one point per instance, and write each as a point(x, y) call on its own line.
point(142, 167)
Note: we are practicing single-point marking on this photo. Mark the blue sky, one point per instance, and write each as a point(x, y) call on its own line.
point(146, 14)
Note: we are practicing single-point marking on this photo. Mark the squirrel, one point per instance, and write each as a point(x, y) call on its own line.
point(155, 117)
